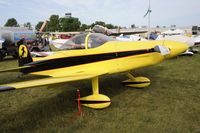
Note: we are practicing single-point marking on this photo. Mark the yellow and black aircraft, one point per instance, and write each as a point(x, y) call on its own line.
point(88, 56)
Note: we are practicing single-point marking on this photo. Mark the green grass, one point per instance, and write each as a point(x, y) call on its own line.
point(170, 104)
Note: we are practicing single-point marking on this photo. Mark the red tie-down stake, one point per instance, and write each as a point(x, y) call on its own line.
point(79, 113)
point(79, 102)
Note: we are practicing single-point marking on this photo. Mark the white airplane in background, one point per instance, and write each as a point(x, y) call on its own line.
point(171, 32)
point(41, 54)
point(196, 39)
point(180, 38)
point(57, 43)
point(130, 38)
point(179, 35)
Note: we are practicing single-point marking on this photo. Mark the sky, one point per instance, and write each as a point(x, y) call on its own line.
point(118, 12)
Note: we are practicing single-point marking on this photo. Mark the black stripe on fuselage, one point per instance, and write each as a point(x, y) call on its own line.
point(79, 60)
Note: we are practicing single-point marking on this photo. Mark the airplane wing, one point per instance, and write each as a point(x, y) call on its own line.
point(50, 80)
point(127, 33)
point(109, 32)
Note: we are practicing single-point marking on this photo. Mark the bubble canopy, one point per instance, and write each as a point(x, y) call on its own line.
point(84, 41)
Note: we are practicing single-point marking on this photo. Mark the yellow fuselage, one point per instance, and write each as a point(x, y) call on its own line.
point(112, 57)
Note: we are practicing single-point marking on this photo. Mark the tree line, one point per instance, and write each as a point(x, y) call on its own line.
point(60, 24)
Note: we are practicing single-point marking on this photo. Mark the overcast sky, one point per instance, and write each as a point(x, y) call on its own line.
point(117, 12)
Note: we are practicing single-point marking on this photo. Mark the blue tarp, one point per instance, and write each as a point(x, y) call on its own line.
point(153, 36)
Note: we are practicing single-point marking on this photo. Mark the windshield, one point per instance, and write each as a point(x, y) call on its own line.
point(97, 39)
point(78, 41)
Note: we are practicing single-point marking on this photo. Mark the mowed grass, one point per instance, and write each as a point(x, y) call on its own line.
point(170, 104)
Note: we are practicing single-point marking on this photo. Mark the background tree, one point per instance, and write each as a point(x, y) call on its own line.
point(39, 25)
point(28, 25)
point(110, 26)
point(65, 24)
point(98, 23)
point(173, 26)
point(53, 24)
point(12, 22)
point(69, 24)
point(133, 26)
point(84, 27)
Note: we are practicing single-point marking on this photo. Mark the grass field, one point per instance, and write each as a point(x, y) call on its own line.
point(171, 104)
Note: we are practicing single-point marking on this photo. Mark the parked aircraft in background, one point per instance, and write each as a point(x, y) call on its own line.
point(116, 32)
point(130, 38)
point(177, 35)
point(57, 43)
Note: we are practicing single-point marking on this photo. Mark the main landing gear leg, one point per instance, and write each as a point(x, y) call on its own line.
point(137, 82)
point(96, 100)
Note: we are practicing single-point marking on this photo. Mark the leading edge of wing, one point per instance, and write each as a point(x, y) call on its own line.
point(45, 81)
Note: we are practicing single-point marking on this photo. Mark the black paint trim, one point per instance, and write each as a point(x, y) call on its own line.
point(79, 60)
point(128, 83)
point(6, 88)
point(93, 102)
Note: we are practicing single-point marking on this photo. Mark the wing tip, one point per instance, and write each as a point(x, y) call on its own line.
point(6, 88)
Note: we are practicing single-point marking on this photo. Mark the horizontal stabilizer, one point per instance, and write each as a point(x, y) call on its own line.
point(18, 69)
point(43, 82)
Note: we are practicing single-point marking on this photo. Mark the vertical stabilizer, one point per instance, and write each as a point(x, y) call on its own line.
point(24, 55)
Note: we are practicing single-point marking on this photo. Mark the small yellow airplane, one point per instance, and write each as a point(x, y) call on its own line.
point(88, 56)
